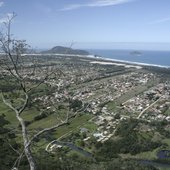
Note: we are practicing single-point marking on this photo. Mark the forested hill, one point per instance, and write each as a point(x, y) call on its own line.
point(65, 50)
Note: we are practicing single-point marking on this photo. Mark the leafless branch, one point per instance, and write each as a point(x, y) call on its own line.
point(14, 64)
point(8, 104)
point(18, 161)
point(65, 122)
point(25, 103)
point(6, 141)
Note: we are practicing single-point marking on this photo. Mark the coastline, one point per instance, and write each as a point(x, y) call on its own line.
point(130, 62)
point(93, 56)
point(117, 64)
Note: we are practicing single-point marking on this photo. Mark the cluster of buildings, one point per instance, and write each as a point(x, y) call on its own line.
point(152, 104)
point(96, 85)
point(97, 93)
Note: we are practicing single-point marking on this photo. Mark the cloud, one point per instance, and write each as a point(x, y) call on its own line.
point(71, 7)
point(95, 3)
point(160, 21)
point(1, 3)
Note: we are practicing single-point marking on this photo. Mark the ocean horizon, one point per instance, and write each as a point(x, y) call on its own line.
point(157, 58)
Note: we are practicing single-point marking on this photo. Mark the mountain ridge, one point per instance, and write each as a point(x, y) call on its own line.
point(65, 50)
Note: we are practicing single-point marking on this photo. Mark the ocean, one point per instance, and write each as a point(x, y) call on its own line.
point(158, 58)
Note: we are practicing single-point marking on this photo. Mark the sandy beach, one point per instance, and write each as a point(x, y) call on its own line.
point(117, 64)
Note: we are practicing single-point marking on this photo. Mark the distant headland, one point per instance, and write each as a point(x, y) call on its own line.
point(65, 50)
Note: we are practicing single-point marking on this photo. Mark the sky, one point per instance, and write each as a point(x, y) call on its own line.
point(113, 24)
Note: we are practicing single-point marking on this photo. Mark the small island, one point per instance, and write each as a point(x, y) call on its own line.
point(136, 53)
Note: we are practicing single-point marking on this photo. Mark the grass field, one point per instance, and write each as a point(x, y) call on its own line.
point(78, 122)
point(51, 120)
point(28, 115)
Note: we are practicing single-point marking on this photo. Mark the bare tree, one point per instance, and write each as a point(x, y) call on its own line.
point(15, 68)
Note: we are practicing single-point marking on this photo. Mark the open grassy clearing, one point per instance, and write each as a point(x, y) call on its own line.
point(28, 115)
point(50, 120)
point(78, 122)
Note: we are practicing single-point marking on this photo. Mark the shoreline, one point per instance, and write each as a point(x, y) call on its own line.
point(130, 62)
point(117, 64)
point(93, 56)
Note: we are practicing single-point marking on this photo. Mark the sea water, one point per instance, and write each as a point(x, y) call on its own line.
point(160, 58)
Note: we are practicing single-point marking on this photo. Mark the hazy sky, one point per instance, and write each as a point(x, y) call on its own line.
point(91, 23)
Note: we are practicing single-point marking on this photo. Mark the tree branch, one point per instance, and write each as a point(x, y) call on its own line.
point(8, 104)
point(67, 120)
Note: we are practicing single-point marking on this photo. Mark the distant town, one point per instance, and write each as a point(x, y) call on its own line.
point(102, 94)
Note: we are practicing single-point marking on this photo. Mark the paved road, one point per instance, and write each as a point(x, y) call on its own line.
point(149, 107)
